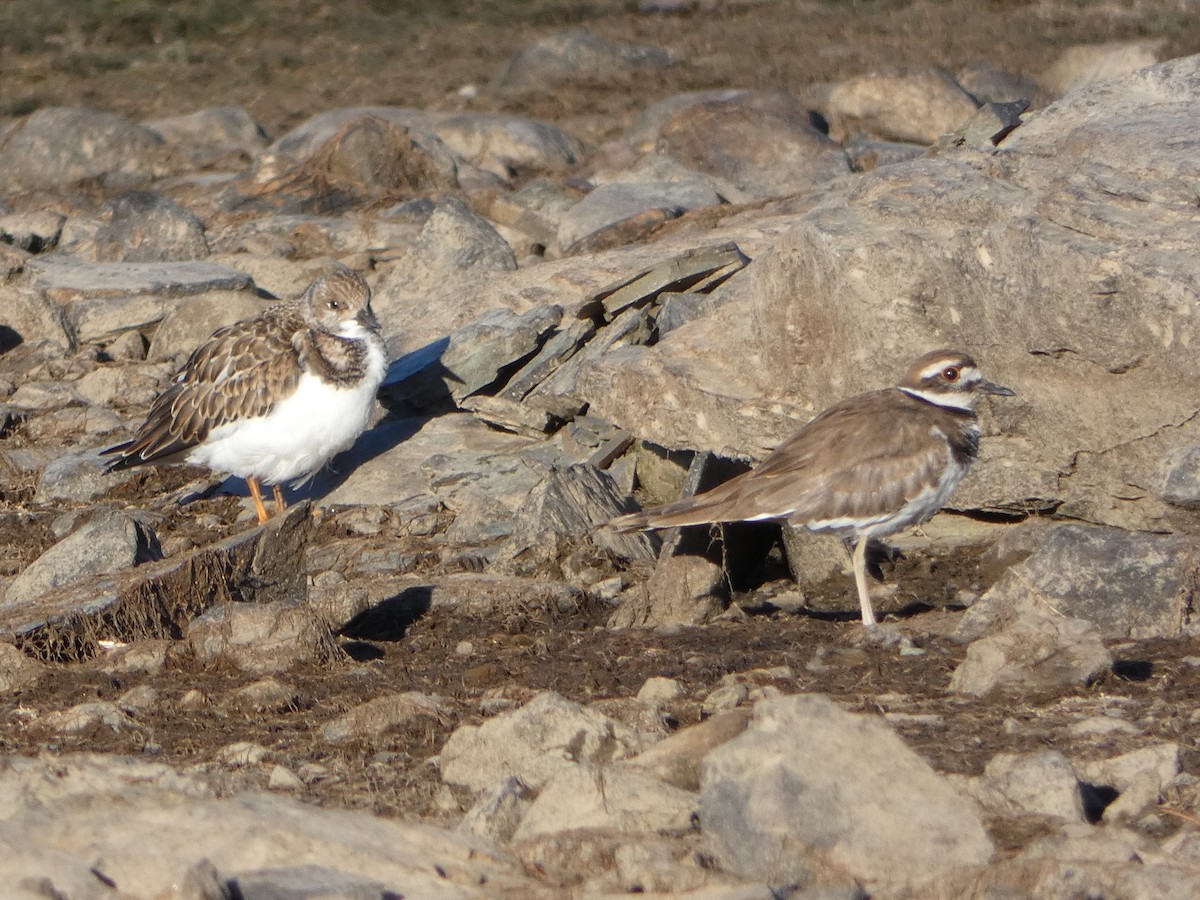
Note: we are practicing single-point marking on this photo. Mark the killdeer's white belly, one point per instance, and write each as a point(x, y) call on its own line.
point(920, 508)
point(298, 436)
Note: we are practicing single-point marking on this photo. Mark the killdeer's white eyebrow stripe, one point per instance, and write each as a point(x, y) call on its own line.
point(968, 373)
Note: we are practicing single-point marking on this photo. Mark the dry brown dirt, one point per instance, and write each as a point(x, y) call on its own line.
point(284, 60)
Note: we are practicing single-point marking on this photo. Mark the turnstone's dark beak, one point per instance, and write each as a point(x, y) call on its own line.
point(366, 318)
point(998, 389)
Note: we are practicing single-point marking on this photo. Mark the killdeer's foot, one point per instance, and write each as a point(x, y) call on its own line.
point(878, 635)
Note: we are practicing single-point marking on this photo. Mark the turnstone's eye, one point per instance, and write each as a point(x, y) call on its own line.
point(950, 373)
point(333, 304)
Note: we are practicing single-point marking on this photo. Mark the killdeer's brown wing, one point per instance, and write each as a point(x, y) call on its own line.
point(865, 457)
point(239, 373)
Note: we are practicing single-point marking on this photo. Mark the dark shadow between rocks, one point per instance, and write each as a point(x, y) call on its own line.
point(1133, 669)
point(389, 620)
point(910, 610)
point(841, 615)
point(1096, 799)
point(739, 548)
point(9, 338)
point(418, 381)
point(829, 615)
point(879, 555)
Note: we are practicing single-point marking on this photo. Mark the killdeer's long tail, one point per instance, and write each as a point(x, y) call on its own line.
point(699, 510)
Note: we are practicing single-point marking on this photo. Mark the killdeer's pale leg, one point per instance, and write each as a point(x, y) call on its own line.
point(859, 561)
point(280, 503)
point(256, 493)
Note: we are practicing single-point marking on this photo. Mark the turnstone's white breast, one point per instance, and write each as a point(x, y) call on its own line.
point(865, 468)
point(273, 398)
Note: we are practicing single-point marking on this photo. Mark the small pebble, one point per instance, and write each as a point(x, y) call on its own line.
point(657, 691)
point(284, 779)
point(241, 753)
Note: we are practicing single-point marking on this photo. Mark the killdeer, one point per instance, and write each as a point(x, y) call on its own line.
point(273, 398)
point(865, 468)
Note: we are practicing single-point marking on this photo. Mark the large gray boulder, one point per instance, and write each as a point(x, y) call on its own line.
point(619, 203)
point(503, 144)
point(808, 785)
point(757, 144)
point(137, 226)
point(104, 299)
point(1085, 63)
point(1063, 260)
point(1042, 783)
point(30, 316)
point(496, 142)
point(209, 134)
point(614, 797)
point(62, 145)
point(454, 246)
point(1040, 653)
point(110, 542)
point(1129, 585)
point(917, 107)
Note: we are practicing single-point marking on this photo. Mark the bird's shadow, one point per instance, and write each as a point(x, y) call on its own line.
point(389, 433)
point(385, 622)
point(390, 619)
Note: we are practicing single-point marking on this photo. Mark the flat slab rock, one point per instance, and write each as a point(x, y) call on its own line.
point(150, 829)
point(110, 542)
point(65, 279)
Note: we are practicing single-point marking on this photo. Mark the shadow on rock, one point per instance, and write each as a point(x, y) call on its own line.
point(389, 620)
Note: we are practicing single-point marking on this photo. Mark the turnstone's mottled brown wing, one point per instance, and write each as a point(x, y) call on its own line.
point(865, 457)
point(239, 373)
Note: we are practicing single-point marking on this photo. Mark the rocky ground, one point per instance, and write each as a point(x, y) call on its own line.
point(618, 252)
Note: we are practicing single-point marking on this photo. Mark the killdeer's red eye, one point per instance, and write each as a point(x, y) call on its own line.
point(950, 373)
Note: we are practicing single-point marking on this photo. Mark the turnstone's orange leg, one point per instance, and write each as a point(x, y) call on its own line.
point(256, 493)
point(860, 580)
point(280, 503)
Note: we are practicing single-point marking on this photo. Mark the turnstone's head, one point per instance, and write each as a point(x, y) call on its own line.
point(340, 303)
point(949, 378)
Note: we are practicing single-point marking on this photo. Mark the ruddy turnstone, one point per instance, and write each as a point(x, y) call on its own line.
point(273, 398)
point(865, 468)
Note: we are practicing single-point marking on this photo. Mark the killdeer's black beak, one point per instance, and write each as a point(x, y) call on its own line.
point(999, 390)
